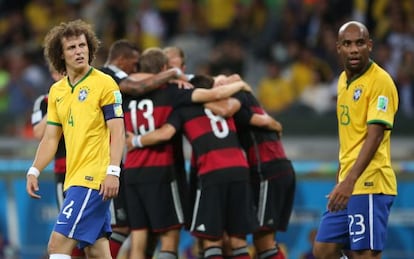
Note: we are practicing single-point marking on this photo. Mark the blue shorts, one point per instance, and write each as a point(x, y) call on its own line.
point(84, 216)
point(361, 226)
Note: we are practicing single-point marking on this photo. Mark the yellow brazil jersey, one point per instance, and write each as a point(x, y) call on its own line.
point(369, 98)
point(78, 110)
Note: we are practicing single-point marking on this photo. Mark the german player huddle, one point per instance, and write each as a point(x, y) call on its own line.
point(236, 179)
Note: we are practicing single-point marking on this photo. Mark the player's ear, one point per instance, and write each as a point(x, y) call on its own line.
point(370, 43)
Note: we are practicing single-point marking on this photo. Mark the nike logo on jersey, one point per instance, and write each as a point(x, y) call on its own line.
point(201, 228)
point(61, 222)
point(354, 240)
point(59, 99)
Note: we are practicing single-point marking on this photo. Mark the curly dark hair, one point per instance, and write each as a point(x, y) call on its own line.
point(53, 50)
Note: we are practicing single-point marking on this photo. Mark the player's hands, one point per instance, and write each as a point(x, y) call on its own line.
point(32, 186)
point(223, 79)
point(110, 187)
point(182, 84)
point(279, 128)
point(233, 78)
point(128, 140)
point(339, 197)
point(247, 88)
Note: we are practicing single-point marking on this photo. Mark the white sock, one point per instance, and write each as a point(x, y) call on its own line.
point(59, 256)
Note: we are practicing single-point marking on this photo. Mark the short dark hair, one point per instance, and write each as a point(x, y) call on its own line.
point(202, 81)
point(121, 48)
point(152, 60)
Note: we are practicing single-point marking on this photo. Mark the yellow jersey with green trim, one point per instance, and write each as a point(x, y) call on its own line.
point(78, 109)
point(369, 98)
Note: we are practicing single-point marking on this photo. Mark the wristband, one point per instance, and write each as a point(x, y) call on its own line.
point(178, 72)
point(33, 171)
point(136, 141)
point(113, 170)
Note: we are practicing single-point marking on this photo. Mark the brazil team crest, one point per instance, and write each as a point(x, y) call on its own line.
point(83, 94)
point(357, 94)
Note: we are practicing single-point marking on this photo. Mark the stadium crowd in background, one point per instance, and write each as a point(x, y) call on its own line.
point(241, 37)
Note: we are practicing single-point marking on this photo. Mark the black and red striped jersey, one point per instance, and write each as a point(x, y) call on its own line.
point(39, 112)
point(264, 149)
point(145, 114)
point(216, 149)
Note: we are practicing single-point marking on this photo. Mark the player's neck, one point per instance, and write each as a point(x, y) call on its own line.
point(76, 75)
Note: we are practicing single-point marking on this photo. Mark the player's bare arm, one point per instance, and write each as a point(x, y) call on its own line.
point(266, 121)
point(110, 186)
point(39, 128)
point(44, 155)
point(162, 134)
point(207, 95)
point(225, 108)
point(137, 84)
point(339, 197)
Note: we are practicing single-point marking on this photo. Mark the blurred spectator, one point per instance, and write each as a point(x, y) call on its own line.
point(38, 14)
point(271, 13)
point(15, 30)
point(218, 16)
point(274, 91)
point(303, 68)
point(227, 58)
point(405, 83)
point(4, 80)
point(169, 11)
point(325, 48)
point(152, 27)
point(92, 11)
point(382, 54)
point(114, 21)
point(318, 95)
point(25, 84)
point(399, 36)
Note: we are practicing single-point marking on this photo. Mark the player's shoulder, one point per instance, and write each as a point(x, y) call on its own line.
point(99, 73)
point(380, 72)
point(116, 73)
point(103, 77)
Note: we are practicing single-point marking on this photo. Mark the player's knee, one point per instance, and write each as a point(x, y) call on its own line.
point(55, 245)
point(236, 242)
point(324, 251)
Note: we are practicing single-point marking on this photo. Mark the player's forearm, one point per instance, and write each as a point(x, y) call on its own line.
point(117, 145)
point(45, 153)
point(225, 108)
point(265, 121)
point(217, 93)
point(39, 129)
point(151, 139)
point(229, 89)
point(367, 152)
point(139, 87)
point(165, 133)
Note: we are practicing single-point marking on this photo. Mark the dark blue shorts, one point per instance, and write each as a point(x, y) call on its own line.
point(84, 216)
point(361, 226)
